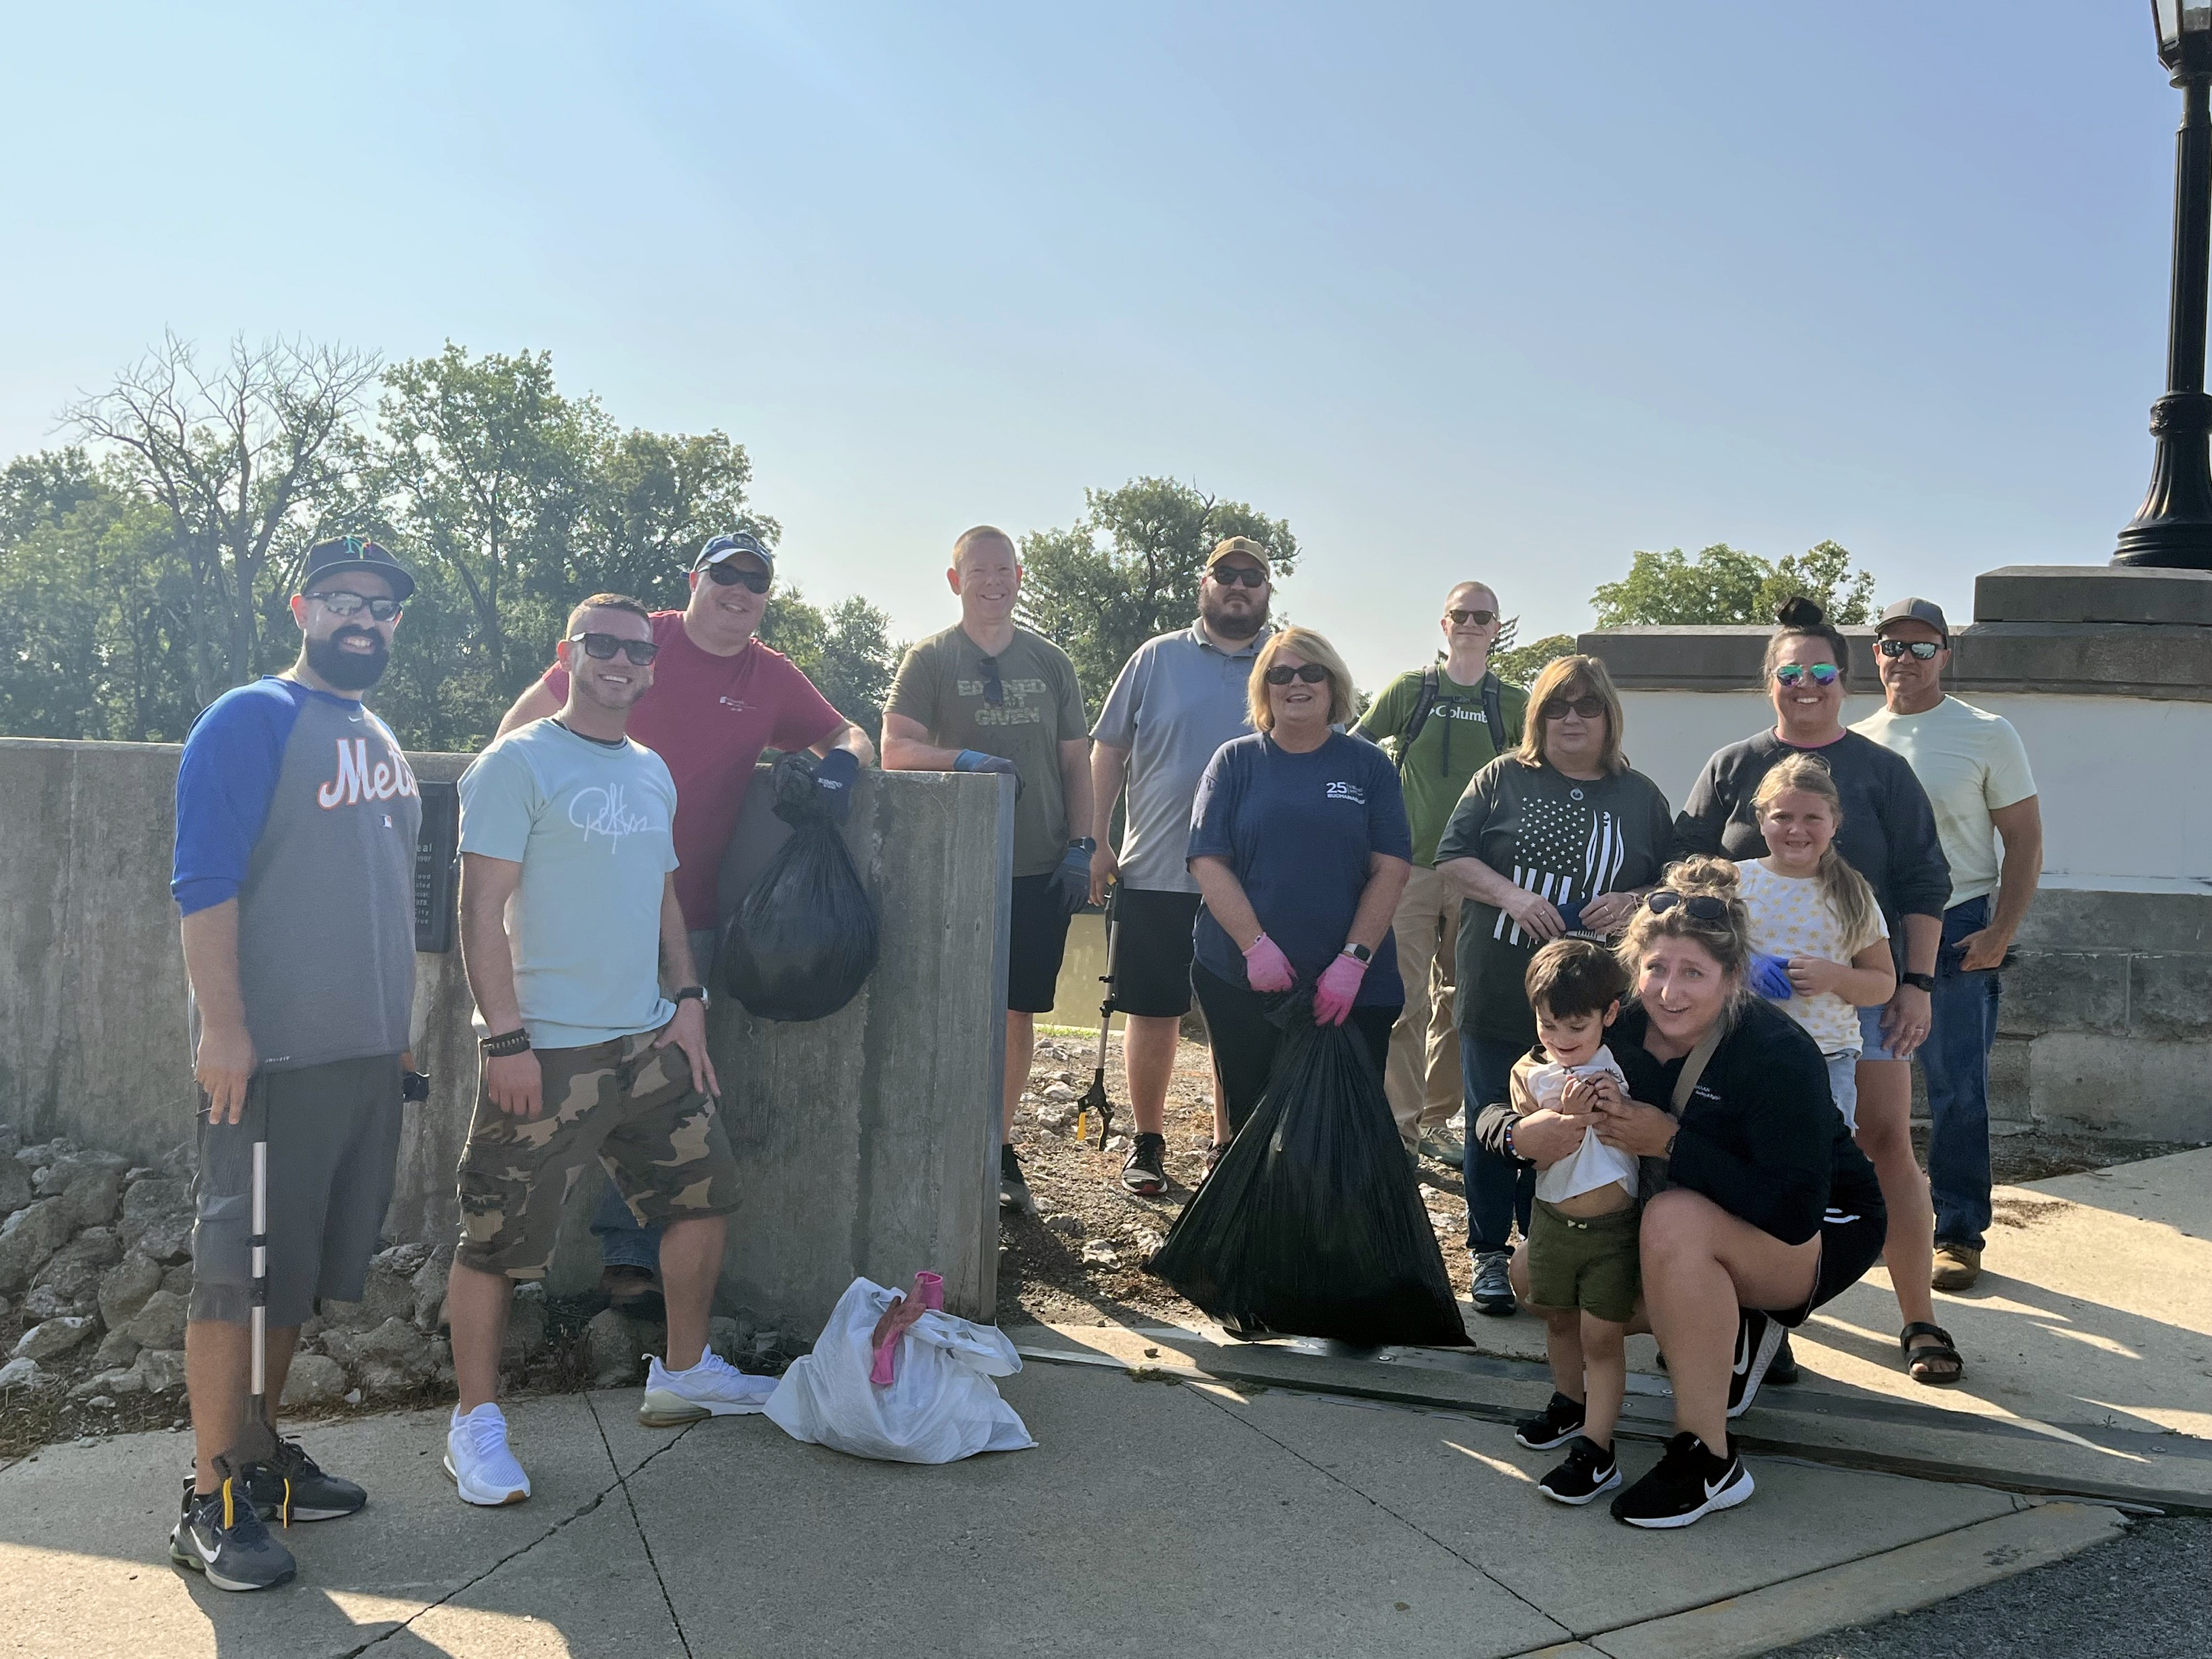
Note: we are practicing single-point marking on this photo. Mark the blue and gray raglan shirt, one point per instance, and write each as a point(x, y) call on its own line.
point(300, 805)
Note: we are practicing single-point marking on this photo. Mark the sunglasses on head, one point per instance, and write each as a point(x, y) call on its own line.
point(1480, 618)
point(1919, 650)
point(1312, 672)
point(727, 573)
point(1699, 906)
point(604, 646)
point(1230, 574)
point(1823, 673)
point(1557, 708)
point(339, 602)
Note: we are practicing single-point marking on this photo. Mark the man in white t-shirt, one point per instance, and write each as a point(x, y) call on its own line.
point(1975, 771)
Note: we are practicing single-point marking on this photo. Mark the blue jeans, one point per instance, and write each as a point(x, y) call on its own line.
point(1955, 1060)
point(1499, 1190)
point(622, 1242)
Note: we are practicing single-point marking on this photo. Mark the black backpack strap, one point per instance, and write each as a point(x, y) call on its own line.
point(1492, 712)
point(1424, 705)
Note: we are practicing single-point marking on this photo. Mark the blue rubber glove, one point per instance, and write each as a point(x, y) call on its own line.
point(1071, 881)
point(1769, 976)
point(1571, 913)
point(975, 760)
point(833, 782)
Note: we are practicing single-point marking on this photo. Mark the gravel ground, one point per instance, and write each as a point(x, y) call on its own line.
point(2145, 1595)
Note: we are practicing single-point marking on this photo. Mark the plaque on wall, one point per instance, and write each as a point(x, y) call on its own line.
point(438, 868)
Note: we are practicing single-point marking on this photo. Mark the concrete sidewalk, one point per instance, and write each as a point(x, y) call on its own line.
point(1222, 1521)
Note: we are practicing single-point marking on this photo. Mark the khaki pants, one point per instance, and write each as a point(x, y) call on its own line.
point(1423, 1077)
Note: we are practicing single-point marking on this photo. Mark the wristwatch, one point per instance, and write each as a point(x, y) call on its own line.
point(1084, 844)
point(1919, 981)
point(1357, 952)
point(684, 993)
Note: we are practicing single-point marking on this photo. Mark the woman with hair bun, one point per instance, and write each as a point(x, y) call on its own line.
point(1760, 1209)
point(1888, 835)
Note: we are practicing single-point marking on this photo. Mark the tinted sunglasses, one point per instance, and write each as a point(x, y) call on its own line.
point(1312, 672)
point(339, 602)
point(1557, 708)
point(1229, 575)
point(1919, 650)
point(1823, 673)
point(727, 573)
point(604, 646)
point(994, 690)
point(1480, 618)
point(1699, 906)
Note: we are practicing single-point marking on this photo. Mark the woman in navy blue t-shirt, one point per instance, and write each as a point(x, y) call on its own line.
point(1299, 844)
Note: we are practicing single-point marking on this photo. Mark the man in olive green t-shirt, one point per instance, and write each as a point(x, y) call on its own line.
point(989, 696)
point(1452, 743)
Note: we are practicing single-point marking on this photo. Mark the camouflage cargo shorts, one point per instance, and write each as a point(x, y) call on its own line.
point(624, 1104)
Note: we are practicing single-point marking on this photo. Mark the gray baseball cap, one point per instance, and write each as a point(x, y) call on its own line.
point(1920, 610)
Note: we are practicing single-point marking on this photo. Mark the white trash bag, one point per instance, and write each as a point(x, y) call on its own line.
point(939, 1407)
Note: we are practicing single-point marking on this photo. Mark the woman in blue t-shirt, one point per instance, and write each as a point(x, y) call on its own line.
point(1300, 847)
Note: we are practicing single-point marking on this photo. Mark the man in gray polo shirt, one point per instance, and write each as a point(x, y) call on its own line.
point(1178, 699)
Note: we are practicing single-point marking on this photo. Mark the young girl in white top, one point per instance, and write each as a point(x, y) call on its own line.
point(1817, 914)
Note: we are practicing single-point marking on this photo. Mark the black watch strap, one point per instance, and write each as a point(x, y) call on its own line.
point(685, 993)
point(1919, 981)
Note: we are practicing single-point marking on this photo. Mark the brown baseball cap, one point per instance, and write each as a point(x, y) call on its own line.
point(1919, 610)
point(1244, 544)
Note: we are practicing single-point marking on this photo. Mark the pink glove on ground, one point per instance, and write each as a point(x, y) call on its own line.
point(1340, 985)
point(1265, 967)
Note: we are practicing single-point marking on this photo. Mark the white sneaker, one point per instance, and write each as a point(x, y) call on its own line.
point(477, 1457)
point(713, 1388)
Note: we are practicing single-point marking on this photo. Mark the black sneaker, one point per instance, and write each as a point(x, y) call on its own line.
point(220, 1534)
point(1756, 1337)
point(1557, 1424)
point(1590, 1470)
point(1688, 1484)
point(1782, 1369)
point(291, 1487)
point(1013, 1190)
point(1146, 1173)
point(1493, 1285)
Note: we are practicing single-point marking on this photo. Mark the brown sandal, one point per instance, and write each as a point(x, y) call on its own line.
point(1936, 1355)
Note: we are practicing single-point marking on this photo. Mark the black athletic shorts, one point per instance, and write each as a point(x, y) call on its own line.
point(1850, 1242)
point(1036, 940)
point(1151, 952)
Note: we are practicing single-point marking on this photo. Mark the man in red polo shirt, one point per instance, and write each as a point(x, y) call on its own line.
point(719, 696)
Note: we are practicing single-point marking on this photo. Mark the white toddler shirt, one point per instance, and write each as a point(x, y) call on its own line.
point(1594, 1163)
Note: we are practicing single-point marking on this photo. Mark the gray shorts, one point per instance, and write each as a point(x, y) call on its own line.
point(333, 1135)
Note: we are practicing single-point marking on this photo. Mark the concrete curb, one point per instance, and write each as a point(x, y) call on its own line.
point(1859, 1592)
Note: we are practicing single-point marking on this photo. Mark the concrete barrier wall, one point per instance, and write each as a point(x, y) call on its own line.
point(866, 1142)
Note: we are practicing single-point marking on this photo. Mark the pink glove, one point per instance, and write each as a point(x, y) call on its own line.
point(1265, 967)
point(1340, 985)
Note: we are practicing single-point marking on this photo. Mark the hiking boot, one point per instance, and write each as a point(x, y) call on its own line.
point(1589, 1470)
point(1441, 1145)
point(1145, 1173)
point(221, 1534)
point(713, 1388)
point(1494, 1286)
point(1757, 1336)
point(1688, 1484)
point(1557, 1424)
point(482, 1464)
point(633, 1292)
point(1013, 1190)
point(1957, 1266)
point(291, 1487)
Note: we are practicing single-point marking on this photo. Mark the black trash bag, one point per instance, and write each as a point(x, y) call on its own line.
point(1312, 1224)
point(805, 937)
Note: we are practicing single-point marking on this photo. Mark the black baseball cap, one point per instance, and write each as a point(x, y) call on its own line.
point(722, 547)
point(356, 553)
point(1919, 610)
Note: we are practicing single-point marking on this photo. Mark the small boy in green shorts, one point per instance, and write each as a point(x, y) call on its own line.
point(1582, 1236)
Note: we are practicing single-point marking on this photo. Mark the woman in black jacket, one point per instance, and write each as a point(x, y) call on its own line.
point(1888, 835)
point(1761, 1206)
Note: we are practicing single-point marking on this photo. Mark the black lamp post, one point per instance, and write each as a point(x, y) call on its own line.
point(2174, 528)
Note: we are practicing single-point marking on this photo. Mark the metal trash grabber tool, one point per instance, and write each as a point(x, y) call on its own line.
point(255, 1442)
point(1094, 1098)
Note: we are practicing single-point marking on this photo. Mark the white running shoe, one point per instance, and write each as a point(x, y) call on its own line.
point(477, 1457)
point(713, 1388)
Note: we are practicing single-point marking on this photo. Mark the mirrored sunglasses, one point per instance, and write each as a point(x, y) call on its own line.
point(604, 646)
point(1919, 650)
point(340, 603)
point(1823, 673)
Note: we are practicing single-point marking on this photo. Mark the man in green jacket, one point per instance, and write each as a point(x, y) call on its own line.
point(1442, 725)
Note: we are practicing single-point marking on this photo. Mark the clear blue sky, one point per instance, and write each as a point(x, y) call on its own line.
point(1495, 289)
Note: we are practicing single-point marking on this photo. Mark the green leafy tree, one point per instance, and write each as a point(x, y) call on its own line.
point(1722, 584)
point(1519, 664)
point(1129, 568)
